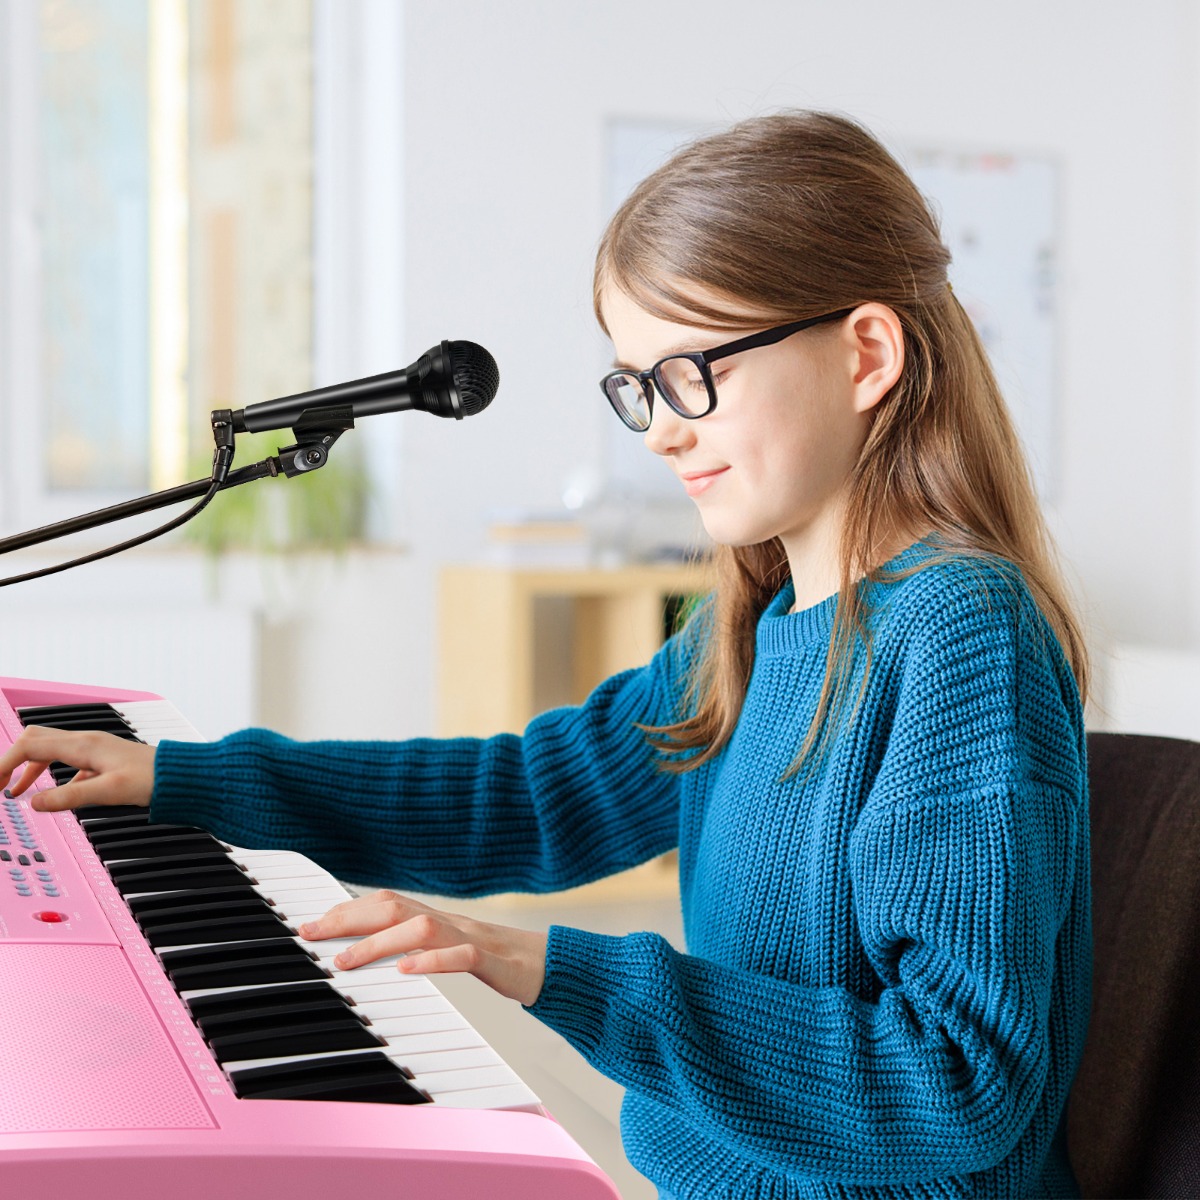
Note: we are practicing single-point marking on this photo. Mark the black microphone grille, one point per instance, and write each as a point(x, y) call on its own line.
point(475, 375)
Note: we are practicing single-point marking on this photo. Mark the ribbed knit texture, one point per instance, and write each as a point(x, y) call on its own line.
point(887, 978)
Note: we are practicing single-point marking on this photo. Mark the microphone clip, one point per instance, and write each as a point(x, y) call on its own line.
point(315, 432)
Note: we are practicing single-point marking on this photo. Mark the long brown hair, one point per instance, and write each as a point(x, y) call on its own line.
point(793, 215)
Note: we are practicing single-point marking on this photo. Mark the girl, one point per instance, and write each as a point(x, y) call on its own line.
point(867, 745)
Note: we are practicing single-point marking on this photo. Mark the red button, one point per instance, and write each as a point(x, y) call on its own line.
point(51, 918)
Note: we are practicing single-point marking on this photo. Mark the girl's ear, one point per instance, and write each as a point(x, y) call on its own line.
point(877, 345)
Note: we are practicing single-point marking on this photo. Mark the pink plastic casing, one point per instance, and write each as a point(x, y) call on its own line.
point(108, 1090)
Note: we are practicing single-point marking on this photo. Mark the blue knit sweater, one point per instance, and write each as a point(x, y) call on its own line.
point(887, 979)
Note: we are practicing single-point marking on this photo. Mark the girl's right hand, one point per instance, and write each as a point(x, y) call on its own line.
point(111, 770)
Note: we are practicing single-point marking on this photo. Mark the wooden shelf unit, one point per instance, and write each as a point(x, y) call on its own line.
point(488, 663)
point(488, 635)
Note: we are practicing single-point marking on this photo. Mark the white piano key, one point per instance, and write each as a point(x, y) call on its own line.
point(463, 1079)
point(157, 720)
point(359, 976)
point(458, 1059)
point(380, 1001)
point(273, 858)
point(308, 896)
point(391, 1027)
point(466, 1038)
point(329, 947)
point(246, 1064)
point(384, 990)
point(515, 1096)
point(379, 1011)
point(283, 871)
point(300, 912)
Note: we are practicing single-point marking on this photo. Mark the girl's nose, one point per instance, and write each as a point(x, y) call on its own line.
point(669, 432)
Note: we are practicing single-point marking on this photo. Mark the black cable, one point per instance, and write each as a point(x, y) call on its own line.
point(221, 463)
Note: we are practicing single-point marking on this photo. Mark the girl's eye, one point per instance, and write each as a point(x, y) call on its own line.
point(695, 383)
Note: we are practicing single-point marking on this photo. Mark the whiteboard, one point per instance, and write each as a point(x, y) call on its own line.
point(998, 216)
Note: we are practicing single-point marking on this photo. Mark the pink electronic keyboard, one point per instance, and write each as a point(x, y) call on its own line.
point(165, 1036)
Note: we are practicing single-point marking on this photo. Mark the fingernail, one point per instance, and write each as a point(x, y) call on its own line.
point(307, 930)
point(342, 960)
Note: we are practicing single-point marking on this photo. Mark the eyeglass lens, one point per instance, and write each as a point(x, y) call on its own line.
point(679, 378)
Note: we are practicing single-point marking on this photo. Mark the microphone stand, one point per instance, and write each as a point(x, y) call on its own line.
point(315, 432)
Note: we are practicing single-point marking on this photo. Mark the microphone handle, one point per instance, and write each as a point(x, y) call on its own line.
point(389, 392)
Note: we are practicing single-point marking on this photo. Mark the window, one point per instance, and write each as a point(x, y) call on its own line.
point(200, 207)
point(156, 224)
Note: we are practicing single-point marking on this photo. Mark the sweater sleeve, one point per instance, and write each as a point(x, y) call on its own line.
point(963, 862)
point(578, 797)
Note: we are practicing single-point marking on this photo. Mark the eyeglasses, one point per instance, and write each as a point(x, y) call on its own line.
point(685, 381)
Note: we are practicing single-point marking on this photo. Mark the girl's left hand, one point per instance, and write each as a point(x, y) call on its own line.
point(512, 961)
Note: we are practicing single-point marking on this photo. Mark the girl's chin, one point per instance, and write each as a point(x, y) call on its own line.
point(732, 533)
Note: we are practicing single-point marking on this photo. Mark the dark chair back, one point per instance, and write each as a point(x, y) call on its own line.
point(1134, 1111)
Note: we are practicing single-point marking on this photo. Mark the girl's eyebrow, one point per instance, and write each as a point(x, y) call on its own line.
point(688, 347)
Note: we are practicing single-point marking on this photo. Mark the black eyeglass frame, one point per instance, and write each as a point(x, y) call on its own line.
point(701, 359)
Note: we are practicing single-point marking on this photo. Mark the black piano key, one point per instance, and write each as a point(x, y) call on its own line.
point(300, 1037)
point(109, 812)
point(145, 864)
point(394, 1089)
point(245, 998)
point(96, 817)
point(199, 910)
point(233, 952)
point(148, 832)
point(162, 901)
point(323, 1010)
point(133, 847)
point(240, 965)
point(113, 724)
point(218, 929)
point(371, 1077)
point(139, 877)
point(96, 709)
point(249, 973)
point(127, 825)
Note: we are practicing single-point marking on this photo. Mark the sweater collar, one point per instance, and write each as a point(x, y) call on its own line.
point(784, 632)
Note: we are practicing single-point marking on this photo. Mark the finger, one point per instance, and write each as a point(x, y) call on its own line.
point(365, 914)
point(57, 799)
point(464, 957)
point(12, 758)
point(423, 931)
point(18, 753)
point(28, 776)
point(41, 744)
point(96, 789)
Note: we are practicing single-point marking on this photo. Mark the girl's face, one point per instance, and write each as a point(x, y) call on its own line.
point(774, 458)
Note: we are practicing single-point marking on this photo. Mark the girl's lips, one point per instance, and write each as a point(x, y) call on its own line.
point(699, 481)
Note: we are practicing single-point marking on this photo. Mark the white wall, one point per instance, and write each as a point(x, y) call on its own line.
point(505, 112)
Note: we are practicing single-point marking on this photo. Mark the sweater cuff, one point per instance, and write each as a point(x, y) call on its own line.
point(575, 1000)
point(187, 784)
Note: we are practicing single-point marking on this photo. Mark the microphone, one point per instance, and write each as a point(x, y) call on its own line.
point(453, 379)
